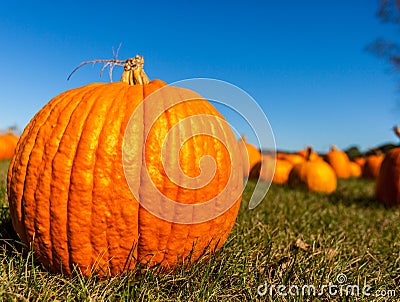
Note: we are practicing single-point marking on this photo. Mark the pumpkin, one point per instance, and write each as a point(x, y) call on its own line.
point(265, 169)
point(282, 170)
point(93, 162)
point(371, 167)
point(387, 189)
point(355, 169)
point(360, 161)
point(250, 154)
point(8, 142)
point(293, 158)
point(339, 161)
point(304, 153)
point(313, 175)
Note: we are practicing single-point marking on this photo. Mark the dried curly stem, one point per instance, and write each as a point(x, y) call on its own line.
point(133, 69)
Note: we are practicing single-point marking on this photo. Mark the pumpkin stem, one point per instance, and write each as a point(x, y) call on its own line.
point(396, 131)
point(309, 152)
point(133, 71)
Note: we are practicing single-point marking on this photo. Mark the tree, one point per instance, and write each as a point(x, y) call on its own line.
point(388, 12)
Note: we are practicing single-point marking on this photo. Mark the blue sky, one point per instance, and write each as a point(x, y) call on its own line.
point(304, 62)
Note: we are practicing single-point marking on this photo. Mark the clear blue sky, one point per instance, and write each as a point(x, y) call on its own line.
point(303, 61)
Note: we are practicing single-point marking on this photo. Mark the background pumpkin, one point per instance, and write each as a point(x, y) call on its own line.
point(360, 161)
point(251, 155)
point(339, 161)
point(265, 169)
point(8, 142)
point(355, 169)
point(313, 175)
point(388, 180)
point(68, 192)
point(293, 158)
point(371, 167)
point(304, 152)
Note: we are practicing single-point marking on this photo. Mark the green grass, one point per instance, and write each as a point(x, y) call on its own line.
point(293, 238)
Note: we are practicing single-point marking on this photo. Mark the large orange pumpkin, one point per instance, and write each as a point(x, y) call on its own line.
point(314, 175)
point(388, 179)
point(75, 178)
point(8, 142)
point(282, 170)
point(372, 165)
point(339, 161)
point(250, 153)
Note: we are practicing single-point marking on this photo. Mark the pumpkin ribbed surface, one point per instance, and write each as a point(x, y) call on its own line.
point(68, 191)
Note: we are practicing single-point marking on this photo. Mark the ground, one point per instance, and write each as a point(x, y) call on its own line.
point(345, 246)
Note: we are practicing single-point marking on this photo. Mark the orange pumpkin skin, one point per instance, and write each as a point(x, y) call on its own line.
point(339, 161)
point(8, 142)
point(360, 161)
point(282, 170)
point(251, 155)
point(371, 167)
point(316, 176)
point(264, 169)
point(313, 156)
point(355, 169)
point(69, 196)
point(293, 158)
point(387, 189)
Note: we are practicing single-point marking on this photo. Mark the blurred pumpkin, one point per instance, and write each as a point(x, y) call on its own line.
point(8, 142)
point(387, 189)
point(314, 155)
point(264, 169)
point(360, 161)
point(371, 167)
point(355, 169)
point(282, 170)
point(339, 161)
point(388, 180)
point(313, 175)
point(250, 154)
point(71, 186)
point(293, 158)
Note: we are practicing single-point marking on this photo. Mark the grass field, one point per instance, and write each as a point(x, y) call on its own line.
point(293, 239)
